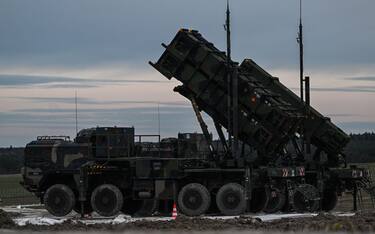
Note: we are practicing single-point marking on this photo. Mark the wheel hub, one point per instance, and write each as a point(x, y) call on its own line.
point(231, 200)
point(105, 200)
point(193, 200)
point(57, 200)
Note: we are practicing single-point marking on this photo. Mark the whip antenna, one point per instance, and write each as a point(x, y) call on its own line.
point(229, 82)
point(300, 42)
point(76, 112)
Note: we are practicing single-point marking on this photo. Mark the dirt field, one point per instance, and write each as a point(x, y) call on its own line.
point(322, 222)
point(345, 222)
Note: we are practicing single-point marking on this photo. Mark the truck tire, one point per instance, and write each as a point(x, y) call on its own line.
point(329, 200)
point(59, 200)
point(193, 199)
point(306, 198)
point(231, 199)
point(276, 200)
point(259, 199)
point(107, 200)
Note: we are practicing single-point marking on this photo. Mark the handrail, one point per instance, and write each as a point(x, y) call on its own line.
point(41, 138)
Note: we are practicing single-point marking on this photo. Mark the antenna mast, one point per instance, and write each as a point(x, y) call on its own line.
point(159, 119)
point(300, 42)
point(76, 112)
point(229, 77)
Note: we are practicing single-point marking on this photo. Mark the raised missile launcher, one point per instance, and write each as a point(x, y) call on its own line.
point(266, 121)
point(270, 113)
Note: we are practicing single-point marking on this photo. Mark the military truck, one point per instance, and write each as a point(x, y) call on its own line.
point(110, 169)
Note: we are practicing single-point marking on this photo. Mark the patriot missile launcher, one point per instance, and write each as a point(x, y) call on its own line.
point(271, 119)
point(111, 169)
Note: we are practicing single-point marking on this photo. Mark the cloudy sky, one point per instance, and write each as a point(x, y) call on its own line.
point(50, 49)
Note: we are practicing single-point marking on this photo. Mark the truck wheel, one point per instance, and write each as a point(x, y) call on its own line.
point(305, 198)
point(329, 200)
point(59, 200)
point(276, 200)
point(231, 199)
point(87, 208)
point(194, 199)
point(107, 200)
point(259, 199)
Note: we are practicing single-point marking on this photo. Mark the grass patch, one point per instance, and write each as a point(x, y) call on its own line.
point(12, 193)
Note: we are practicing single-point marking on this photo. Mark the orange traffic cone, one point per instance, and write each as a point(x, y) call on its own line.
point(174, 211)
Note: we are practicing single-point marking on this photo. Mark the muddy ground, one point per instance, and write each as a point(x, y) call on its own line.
point(360, 222)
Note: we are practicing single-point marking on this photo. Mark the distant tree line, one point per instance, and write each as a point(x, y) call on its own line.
point(11, 160)
point(361, 149)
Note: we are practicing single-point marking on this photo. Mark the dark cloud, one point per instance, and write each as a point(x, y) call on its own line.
point(66, 100)
point(134, 110)
point(362, 78)
point(355, 89)
point(34, 118)
point(62, 82)
point(342, 115)
point(348, 89)
point(91, 101)
point(71, 85)
point(15, 80)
